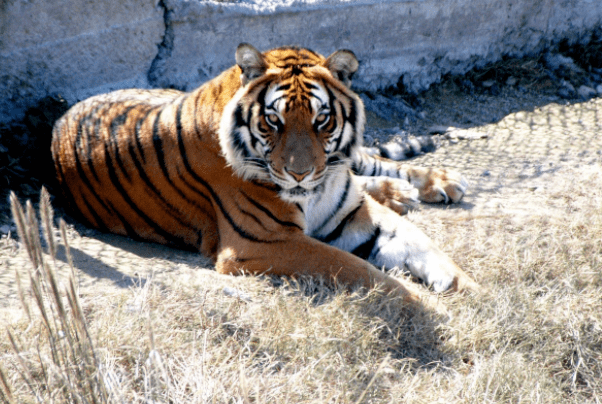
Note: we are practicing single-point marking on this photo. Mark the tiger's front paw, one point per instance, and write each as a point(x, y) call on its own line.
point(440, 185)
point(438, 271)
point(396, 194)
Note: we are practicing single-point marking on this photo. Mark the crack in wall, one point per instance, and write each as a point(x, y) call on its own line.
point(156, 77)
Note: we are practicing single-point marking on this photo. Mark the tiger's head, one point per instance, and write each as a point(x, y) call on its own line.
point(294, 121)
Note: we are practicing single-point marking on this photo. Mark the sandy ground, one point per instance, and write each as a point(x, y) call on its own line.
point(512, 166)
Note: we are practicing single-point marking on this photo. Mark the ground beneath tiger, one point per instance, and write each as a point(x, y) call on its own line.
point(515, 135)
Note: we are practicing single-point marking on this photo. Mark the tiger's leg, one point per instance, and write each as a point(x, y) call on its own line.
point(301, 255)
point(394, 193)
point(401, 241)
point(433, 184)
point(386, 239)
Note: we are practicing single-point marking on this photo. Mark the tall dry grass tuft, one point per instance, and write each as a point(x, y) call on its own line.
point(69, 370)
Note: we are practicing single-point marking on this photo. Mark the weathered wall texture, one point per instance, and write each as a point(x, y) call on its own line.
point(80, 47)
point(74, 47)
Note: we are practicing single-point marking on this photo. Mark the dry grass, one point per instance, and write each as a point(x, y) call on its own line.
point(535, 336)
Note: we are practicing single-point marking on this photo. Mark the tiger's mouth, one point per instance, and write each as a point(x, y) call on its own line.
point(299, 192)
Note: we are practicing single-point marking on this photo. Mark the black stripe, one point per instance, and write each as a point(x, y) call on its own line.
point(92, 127)
point(331, 98)
point(373, 168)
point(250, 215)
point(261, 97)
point(291, 57)
point(315, 96)
point(93, 131)
point(241, 232)
point(137, 137)
point(267, 185)
point(96, 133)
point(300, 207)
point(197, 116)
point(352, 116)
point(296, 49)
point(79, 136)
point(238, 142)
point(179, 118)
point(121, 190)
point(389, 238)
point(352, 119)
point(364, 250)
point(100, 224)
point(158, 144)
point(114, 126)
point(195, 190)
point(86, 180)
point(342, 200)
point(346, 150)
point(97, 128)
point(84, 152)
point(129, 230)
point(249, 116)
point(171, 210)
point(333, 159)
point(69, 195)
point(270, 214)
point(199, 240)
point(118, 121)
point(337, 143)
point(332, 107)
point(358, 167)
point(338, 231)
point(92, 169)
point(179, 136)
point(168, 179)
point(254, 141)
point(238, 118)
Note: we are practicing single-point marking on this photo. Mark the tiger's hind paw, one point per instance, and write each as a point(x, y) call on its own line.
point(442, 186)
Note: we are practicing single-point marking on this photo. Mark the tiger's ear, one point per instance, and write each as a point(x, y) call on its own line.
point(251, 63)
point(342, 64)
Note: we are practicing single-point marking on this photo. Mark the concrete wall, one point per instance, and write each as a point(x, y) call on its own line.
point(74, 47)
point(81, 47)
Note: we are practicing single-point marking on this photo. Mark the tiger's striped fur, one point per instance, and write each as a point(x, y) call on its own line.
point(260, 169)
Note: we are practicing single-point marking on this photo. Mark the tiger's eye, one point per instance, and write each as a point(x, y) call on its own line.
point(273, 119)
point(320, 119)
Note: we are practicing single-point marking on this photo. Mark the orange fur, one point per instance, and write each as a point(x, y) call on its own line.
point(148, 164)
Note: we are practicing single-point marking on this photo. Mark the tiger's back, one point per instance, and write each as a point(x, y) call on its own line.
point(120, 165)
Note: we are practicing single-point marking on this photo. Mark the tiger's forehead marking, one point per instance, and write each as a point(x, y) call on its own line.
point(288, 56)
point(281, 97)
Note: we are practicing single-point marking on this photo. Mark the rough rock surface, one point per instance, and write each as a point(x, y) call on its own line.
point(77, 48)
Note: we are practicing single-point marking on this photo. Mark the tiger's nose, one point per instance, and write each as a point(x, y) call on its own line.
point(298, 176)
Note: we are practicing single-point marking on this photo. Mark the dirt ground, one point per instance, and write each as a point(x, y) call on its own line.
point(512, 144)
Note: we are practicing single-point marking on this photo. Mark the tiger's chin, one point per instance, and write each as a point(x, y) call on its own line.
point(299, 194)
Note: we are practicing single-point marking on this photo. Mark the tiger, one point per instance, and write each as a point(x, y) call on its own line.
point(263, 170)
